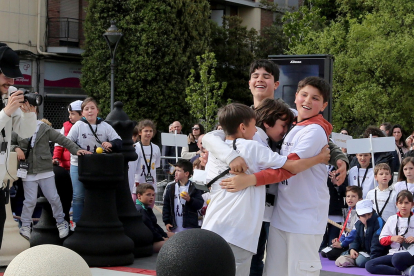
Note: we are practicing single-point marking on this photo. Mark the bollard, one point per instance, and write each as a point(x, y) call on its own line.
point(196, 252)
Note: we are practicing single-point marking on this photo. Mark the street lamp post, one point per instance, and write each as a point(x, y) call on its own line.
point(112, 37)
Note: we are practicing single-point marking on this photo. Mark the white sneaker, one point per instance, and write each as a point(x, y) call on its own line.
point(25, 232)
point(63, 228)
point(72, 226)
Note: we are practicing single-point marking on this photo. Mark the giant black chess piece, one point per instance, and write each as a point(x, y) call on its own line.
point(99, 235)
point(196, 252)
point(128, 215)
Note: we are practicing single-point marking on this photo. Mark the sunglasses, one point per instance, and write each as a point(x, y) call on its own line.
point(195, 128)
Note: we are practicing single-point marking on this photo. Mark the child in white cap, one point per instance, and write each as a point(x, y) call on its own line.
point(366, 245)
point(61, 155)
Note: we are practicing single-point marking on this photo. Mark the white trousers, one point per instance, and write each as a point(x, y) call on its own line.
point(291, 254)
point(30, 198)
point(243, 260)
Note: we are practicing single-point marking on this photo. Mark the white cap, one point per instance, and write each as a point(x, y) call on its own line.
point(364, 207)
point(76, 105)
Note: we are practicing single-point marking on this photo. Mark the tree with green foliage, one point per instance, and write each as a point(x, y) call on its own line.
point(233, 45)
point(373, 75)
point(204, 92)
point(160, 42)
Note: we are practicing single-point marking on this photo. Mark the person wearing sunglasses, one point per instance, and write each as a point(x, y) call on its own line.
point(192, 149)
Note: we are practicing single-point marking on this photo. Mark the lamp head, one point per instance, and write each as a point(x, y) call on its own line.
point(112, 35)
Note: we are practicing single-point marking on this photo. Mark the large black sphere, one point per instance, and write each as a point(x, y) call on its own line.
point(196, 252)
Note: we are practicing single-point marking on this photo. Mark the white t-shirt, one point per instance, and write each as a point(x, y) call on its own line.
point(141, 168)
point(403, 185)
point(178, 206)
point(303, 200)
point(81, 134)
point(367, 184)
point(238, 217)
point(389, 230)
point(382, 196)
point(132, 167)
point(220, 150)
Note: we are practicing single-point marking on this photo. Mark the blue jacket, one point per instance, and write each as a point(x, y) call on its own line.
point(190, 208)
point(369, 241)
point(346, 240)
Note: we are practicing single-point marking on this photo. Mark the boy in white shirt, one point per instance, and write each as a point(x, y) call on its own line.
point(149, 157)
point(383, 197)
point(362, 175)
point(237, 217)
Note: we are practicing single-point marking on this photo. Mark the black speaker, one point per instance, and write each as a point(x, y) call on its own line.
point(295, 68)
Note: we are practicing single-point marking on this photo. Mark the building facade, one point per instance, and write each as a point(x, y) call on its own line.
point(249, 10)
point(48, 36)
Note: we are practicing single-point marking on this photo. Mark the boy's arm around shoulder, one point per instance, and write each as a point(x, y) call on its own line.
point(307, 146)
point(214, 143)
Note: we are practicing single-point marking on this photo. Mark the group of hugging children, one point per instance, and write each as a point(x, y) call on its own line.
point(373, 236)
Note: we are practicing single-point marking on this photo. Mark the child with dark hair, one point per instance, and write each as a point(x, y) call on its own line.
point(400, 145)
point(386, 128)
point(146, 196)
point(398, 232)
point(347, 234)
point(182, 200)
point(405, 176)
point(366, 245)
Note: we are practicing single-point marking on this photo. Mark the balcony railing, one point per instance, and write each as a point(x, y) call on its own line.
point(64, 31)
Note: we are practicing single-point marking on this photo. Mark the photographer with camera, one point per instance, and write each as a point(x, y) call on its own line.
point(16, 114)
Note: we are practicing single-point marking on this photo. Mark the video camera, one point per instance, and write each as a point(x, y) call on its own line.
point(33, 98)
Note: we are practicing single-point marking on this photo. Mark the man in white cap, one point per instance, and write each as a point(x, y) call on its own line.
point(16, 115)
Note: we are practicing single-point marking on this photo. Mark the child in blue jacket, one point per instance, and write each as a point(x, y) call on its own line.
point(366, 245)
point(347, 235)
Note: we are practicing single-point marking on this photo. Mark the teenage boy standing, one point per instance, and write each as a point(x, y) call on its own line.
point(299, 218)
